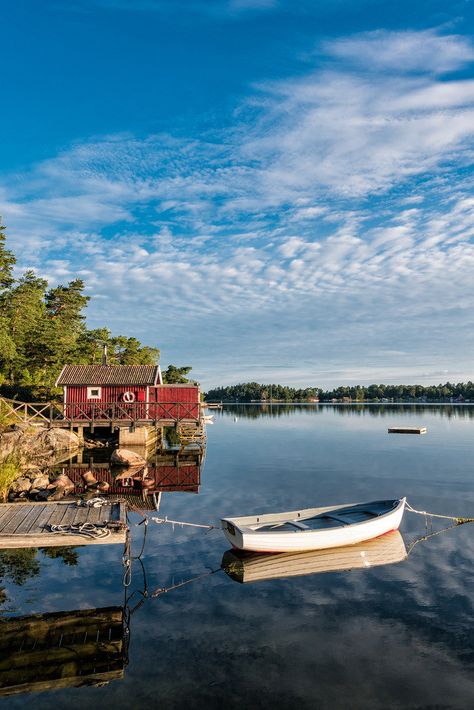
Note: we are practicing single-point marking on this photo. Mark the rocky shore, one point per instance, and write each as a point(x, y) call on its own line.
point(35, 450)
point(38, 445)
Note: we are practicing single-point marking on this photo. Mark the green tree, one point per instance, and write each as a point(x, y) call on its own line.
point(176, 375)
point(7, 261)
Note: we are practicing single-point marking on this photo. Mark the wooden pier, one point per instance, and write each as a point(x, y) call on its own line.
point(407, 430)
point(29, 524)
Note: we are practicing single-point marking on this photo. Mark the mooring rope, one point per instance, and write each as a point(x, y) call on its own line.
point(84, 529)
point(160, 521)
point(165, 590)
point(457, 519)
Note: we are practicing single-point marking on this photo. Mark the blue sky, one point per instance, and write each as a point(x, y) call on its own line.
point(266, 190)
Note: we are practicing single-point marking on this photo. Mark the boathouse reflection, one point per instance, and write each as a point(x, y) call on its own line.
point(141, 487)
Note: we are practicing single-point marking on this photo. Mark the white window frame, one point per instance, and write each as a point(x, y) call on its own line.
point(94, 396)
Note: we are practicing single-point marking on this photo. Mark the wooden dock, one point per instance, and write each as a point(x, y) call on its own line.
point(28, 524)
point(407, 430)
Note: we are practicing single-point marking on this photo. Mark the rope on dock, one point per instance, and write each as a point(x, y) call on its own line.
point(160, 521)
point(457, 519)
point(86, 529)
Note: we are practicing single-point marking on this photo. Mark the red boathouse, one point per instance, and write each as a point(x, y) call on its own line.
point(125, 393)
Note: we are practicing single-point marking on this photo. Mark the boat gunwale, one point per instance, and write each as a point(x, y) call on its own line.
point(310, 512)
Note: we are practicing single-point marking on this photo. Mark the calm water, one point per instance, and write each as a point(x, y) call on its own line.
point(394, 636)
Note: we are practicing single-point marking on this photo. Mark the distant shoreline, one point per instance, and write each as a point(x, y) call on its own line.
point(343, 404)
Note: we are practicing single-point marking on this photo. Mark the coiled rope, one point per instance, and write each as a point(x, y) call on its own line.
point(457, 519)
point(85, 529)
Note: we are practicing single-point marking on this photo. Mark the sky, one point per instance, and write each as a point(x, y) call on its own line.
point(269, 190)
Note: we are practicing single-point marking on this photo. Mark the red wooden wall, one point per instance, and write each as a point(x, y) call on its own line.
point(166, 402)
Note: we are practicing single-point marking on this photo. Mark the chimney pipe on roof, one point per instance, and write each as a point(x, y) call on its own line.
point(104, 354)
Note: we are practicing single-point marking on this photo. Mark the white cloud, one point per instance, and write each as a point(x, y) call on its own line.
point(408, 51)
point(285, 229)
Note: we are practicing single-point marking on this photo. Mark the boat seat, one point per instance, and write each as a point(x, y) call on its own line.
point(300, 525)
point(340, 519)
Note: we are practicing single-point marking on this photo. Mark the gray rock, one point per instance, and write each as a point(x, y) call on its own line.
point(59, 439)
point(40, 482)
point(21, 485)
point(125, 457)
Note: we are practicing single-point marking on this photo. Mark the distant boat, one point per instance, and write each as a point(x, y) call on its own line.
point(247, 567)
point(314, 528)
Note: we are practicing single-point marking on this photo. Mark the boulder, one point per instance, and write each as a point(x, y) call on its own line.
point(125, 457)
point(40, 482)
point(59, 439)
point(21, 485)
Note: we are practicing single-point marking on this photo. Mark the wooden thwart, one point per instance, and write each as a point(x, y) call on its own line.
point(28, 524)
point(407, 430)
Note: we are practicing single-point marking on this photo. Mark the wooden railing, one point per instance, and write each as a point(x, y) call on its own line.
point(99, 412)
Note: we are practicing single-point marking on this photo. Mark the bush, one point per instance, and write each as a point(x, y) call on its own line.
point(9, 472)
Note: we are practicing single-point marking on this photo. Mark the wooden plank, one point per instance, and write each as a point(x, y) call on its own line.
point(43, 520)
point(10, 512)
point(5, 508)
point(30, 519)
point(70, 514)
point(58, 540)
point(59, 514)
point(93, 515)
point(19, 513)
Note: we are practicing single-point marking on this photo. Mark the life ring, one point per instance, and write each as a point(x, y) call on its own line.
point(128, 397)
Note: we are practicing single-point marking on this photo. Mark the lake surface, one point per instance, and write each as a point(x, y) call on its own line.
point(392, 636)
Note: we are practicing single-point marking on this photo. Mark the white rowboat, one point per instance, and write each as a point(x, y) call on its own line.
point(247, 567)
point(314, 528)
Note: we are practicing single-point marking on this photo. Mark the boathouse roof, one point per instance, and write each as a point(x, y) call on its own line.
point(109, 375)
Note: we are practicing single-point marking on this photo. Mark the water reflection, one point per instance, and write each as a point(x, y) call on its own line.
point(277, 410)
point(385, 636)
point(253, 567)
point(43, 652)
point(140, 487)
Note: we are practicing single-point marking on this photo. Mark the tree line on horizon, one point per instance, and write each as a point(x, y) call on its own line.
point(43, 328)
point(253, 391)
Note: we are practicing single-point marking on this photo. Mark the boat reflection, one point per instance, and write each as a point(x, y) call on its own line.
point(62, 650)
point(245, 567)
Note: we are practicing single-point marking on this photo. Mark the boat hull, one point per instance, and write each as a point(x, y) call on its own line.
point(240, 535)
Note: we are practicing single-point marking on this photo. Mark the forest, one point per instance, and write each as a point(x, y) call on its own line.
point(255, 392)
point(42, 328)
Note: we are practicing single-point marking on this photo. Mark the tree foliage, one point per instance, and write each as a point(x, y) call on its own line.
point(255, 392)
point(44, 328)
point(176, 375)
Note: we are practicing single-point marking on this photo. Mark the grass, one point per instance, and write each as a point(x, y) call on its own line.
point(7, 419)
point(9, 471)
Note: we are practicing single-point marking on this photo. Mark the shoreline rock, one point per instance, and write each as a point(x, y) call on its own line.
point(39, 445)
point(125, 457)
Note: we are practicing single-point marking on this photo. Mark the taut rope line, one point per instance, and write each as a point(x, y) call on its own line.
point(458, 520)
point(159, 521)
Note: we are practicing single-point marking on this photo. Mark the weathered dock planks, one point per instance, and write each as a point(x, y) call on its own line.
point(28, 524)
point(407, 430)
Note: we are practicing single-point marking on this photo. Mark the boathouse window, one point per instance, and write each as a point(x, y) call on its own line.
point(94, 392)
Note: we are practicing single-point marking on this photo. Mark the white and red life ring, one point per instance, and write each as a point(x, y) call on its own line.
point(128, 397)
